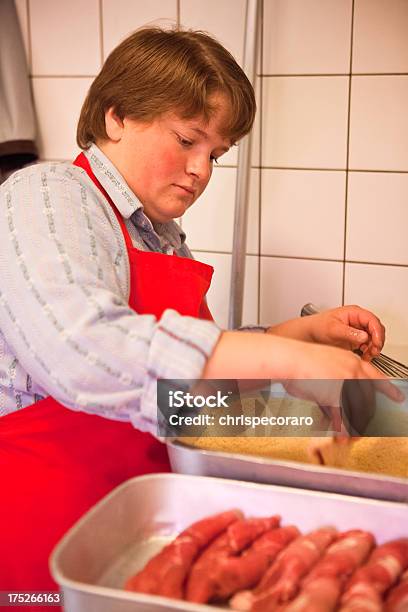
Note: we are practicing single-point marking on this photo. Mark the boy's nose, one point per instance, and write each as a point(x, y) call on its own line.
point(200, 168)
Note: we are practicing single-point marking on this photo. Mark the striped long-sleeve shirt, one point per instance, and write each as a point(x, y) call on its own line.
point(66, 329)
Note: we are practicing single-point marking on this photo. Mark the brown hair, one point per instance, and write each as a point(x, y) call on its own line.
point(155, 71)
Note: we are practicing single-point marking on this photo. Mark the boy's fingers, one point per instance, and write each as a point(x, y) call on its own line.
point(356, 337)
point(390, 390)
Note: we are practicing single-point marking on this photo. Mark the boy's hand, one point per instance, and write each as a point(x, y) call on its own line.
point(349, 327)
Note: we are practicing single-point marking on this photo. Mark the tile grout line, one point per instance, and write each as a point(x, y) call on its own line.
point(261, 30)
point(263, 76)
point(343, 289)
point(291, 169)
point(304, 169)
point(332, 74)
point(304, 258)
point(62, 76)
point(30, 44)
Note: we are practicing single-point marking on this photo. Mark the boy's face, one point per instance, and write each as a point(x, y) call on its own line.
point(167, 163)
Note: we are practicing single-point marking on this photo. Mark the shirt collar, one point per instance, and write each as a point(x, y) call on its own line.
point(126, 201)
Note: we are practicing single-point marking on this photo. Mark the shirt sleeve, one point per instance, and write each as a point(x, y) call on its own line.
point(63, 302)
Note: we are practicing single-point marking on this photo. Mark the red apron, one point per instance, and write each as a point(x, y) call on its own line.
point(55, 463)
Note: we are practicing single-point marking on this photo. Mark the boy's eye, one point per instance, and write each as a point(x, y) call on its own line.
point(214, 159)
point(184, 142)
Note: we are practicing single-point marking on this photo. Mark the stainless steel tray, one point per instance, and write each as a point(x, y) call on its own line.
point(188, 460)
point(116, 537)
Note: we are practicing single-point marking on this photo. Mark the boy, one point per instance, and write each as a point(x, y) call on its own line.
point(99, 295)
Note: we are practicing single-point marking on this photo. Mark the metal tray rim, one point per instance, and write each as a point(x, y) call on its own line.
point(140, 598)
point(294, 465)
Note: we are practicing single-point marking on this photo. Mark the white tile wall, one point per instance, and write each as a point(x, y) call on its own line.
point(305, 122)
point(305, 141)
point(222, 18)
point(380, 36)
point(383, 289)
point(65, 37)
point(379, 123)
point(289, 284)
point(230, 158)
point(209, 222)
point(296, 205)
point(57, 128)
point(323, 47)
point(121, 17)
point(377, 217)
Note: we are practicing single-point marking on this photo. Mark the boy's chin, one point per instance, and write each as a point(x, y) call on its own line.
point(171, 214)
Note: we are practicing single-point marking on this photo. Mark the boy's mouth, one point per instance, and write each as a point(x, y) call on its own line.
point(186, 189)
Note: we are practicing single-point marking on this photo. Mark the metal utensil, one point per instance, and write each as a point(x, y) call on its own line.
point(386, 365)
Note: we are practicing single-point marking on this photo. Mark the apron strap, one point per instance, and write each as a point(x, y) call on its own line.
point(82, 162)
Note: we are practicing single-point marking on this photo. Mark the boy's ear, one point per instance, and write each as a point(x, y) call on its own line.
point(113, 125)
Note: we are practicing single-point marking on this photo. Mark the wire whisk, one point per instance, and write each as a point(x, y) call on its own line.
point(390, 367)
point(383, 363)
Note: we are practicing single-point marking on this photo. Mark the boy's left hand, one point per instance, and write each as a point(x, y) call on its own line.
point(349, 327)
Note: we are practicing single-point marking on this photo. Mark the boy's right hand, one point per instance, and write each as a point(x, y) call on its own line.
point(309, 371)
point(351, 388)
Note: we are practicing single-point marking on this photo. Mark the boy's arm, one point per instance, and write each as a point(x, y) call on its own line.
point(252, 355)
